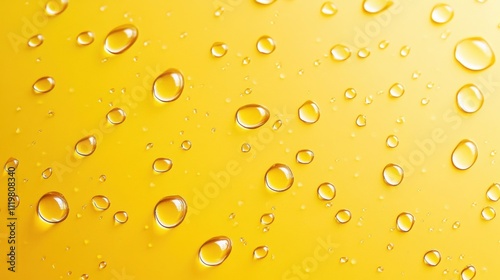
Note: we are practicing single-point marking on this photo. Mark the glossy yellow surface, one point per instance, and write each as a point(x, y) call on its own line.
point(109, 107)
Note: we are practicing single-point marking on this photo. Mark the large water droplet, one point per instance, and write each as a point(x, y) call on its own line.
point(441, 13)
point(493, 192)
point(101, 202)
point(170, 211)
point(162, 165)
point(121, 217)
point(55, 7)
point(468, 273)
point(267, 219)
point(121, 38)
point(397, 90)
point(392, 141)
point(218, 49)
point(252, 116)
point(35, 41)
point(376, 6)
point(326, 191)
point(266, 45)
point(44, 84)
point(85, 38)
point(343, 216)
point(215, 250)
point(469, 98)
point(488, 213)
point(279, 177)
point(350, 93)
point(116, 116)
point(168, 86)
point(11, 163)
point(405, 221)
point(340, 52)
point(304, 156)
point(432, 258)
point(328, 8)
point(260, 252)
point(53, 207)
point(47, 173)
point(361, 120)
point(464, 155)
point(393, 174)
point(309, 112)
point(474, 53)
point(86, 146)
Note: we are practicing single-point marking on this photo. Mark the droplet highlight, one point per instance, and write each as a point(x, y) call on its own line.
point(47, 173)
point(376, 6)
point(328, 8)
point(468, 273)
point(35, 41)
point(55, 7)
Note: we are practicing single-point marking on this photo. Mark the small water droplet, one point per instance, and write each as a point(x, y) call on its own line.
point(304, 156)
point(396, 90)
point(260, 252)
point(309, 112)
point(383, 44)
point(102, 265)
point(364, 52)
point(162, 165)
point(170, 211)
point(340, 52)
point(474, 54)
point(121, 38)
point(279, 177)
point(468, 273)
point(405, 51)
point(267, 219)
point(168, 86)
point(424, 101)
point(266, 45)
point(47, 173)
point(219, 49)
point(392, 141)
point(376, 6)
point(432, 258)
point(350, 93)
point(121, 217)
point(11, 163)
point(186, 145)
point(277, 124)
point(488, 213)
point(102, 178)
point(35, 40)
point(85, 38)
point(86, 146)
point(245, 147)
point(84, 277)
point(343, 260)
point(405, 221)
point(215, 250)
point(380, 269)
point(390, 246)
point(52, 207)
point(361, 120)
point(326, 191)
point(101, 202)
point(343, 216)
point(393, 174)
point(456, 225)
point(441, 13)
point(328, 8)
point(493, 192)
point(55, 7)
point(44, 84)
point(469, 98)
point(116, 116)
point(246, 60)
point(464, 155)
point(252, 116)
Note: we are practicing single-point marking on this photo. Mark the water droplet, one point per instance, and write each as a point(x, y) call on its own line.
point(252, 116)
point(116, 116)
point(246, 60)
point(55, 7)
point(85, 38)
point(474, 53)
point(11, 163)
point(361, 120)
point(390, 246)
point(405, 51)
point(86, 146)
point(468, 273)
point(304, 156)
point(380, 269)
point(168, 86)
point(376, 6)
point(121, 38)
point(326, 191)
point(47, 173)
point(279, 177)
point(328, 8)
point(102, 178)
point(393, 174)
point(219, 49)
point(343, 216)
point(101, 202)
point(309, 112)
point(44, 84)
point(186, 145)
point(456, 225)
point(266, 45)
point(464, 155)
point(277, 124)
point(493, 192)
point(392, 141)
point(121, 217)
point(265, 2)
point(488, 213)
point(424, 101)
point(162, 165)
point(53, 207)
point(84, 277)
point(102, 265)
point(245, 147)
point(350, 93)
point(405, 221)
point(441, 13)
point(432, 258)
point(343, 260)
point(397, 90)
point(35, 41)
point(17, 201)
point(340, 52)
point(469, 98)
point(170, 211)
point(383, 44)
point(364, 52)
point(267, 219)
point(215, 250)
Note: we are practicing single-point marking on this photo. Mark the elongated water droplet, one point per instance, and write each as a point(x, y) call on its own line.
point(55, 7)
point(309, 112)
point(304, 156)
point(86, 146)
point(469, 98)
point(168, 86)
point(116, 116)
point(350, 93)
point(397, 90)
point(328, 8)
point(343, 216)
point(266, 45)
point(493, 192)
point(12, 164)
point(121, 38)
point(162, 165)
point(361, 120)
point(468, 273)
point(405, 221)
point(102, 265)
point(488, 213)
point(279, 177)
point(52, 207)
point(44, 84)
point(267, 219)
point(464, 155)
point(170, 211)
point(326, 191)
point(474, 54)
point(121, 217)
point(252, 116)
point(219, 49)
point(383, 44)
point(392, 141)
point(85, 38)
point(456, 225)
point(101, 202)
point(405, 51)
point(393, 174)
point(340, 52)
point(47, 173)
point(265, 2)
point(35, 41)
point(432, 258)
point(260, 252)
point(441, 13)
point(215, 250)
point(277, 124)
point(376, 6)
